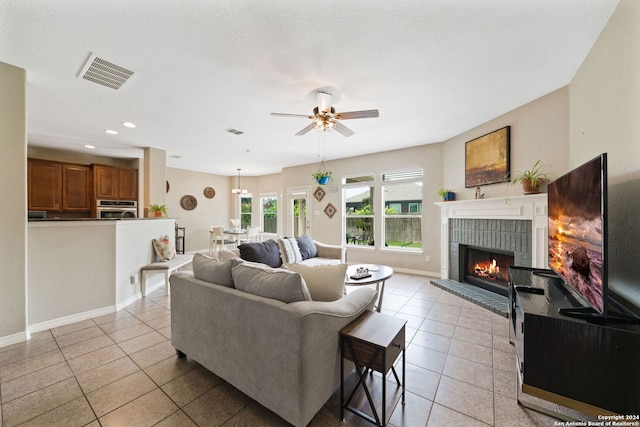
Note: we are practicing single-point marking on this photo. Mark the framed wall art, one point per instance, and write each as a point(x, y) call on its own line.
point(319, 194)
point(330, 210)
point(486, 159)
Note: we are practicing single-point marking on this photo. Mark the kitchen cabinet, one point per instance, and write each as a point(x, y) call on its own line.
point(114, 183)
point(106, 182)
point(128, 188)
point(44, 185)
point(76, 188)
point(58, 186)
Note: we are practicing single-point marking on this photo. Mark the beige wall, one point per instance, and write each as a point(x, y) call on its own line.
point(13, 187)
point(330, 230)
point(539, 131)
point(605, 117)
point(208, 212)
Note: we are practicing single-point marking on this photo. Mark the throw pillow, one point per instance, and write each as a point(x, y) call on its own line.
point(279, 284)
point(212, 270)
point(325, 282)
point(164, 248)
point(289, 251)
point(307, 247)
point(263, 252)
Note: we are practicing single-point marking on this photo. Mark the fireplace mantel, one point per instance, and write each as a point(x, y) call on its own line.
point(531, 207)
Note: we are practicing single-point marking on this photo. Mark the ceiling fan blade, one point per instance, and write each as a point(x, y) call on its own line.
point(306, 116)
point(324, 102)
point(339, 127)
point(364, 114)
point(305, 130)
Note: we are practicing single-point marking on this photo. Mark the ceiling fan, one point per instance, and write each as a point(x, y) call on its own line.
point(326, 119)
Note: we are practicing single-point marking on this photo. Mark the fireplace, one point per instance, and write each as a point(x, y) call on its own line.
point(487, 268)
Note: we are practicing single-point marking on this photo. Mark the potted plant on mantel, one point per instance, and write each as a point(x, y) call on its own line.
point(322, 176)
point(531, 179)
point(446, 194)
point(158, 210)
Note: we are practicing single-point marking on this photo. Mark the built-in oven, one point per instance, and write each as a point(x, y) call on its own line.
point(116, 209)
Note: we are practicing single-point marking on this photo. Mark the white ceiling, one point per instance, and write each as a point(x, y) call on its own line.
point(433, 68)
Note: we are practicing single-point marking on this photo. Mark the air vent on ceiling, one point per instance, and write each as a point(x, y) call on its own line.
point(234, 131)
point(105, 73)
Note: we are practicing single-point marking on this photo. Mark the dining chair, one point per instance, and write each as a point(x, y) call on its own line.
point(253, 234)
point(217, 240)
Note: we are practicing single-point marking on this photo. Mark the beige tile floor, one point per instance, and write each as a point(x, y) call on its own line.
point(121, 370)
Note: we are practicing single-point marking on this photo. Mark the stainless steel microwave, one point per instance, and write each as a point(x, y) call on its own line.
point(116, 209)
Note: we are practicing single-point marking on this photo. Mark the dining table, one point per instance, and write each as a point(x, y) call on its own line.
point(236, 233)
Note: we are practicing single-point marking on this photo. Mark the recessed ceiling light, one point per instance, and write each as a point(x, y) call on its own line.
point(111, 131)
point(128, 124)
point(89, 146)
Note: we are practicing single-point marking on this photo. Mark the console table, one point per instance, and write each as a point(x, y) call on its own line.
point(590, 367)
point(372, 342)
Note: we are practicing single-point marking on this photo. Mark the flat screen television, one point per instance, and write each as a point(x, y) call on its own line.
point(578, 233)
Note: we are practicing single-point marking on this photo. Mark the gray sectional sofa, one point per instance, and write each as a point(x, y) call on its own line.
point(285, 355)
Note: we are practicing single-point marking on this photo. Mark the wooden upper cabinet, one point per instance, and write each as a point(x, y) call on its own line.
point(111, 182)
point(106, 182)
point(128, 184)
point(44, 185)
point(76, 187)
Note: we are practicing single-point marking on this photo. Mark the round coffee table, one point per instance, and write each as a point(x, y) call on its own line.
point(379, 275)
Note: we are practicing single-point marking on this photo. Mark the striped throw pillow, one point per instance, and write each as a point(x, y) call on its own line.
point(289, 251)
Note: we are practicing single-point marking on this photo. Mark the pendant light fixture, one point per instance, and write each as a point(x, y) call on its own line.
point(239, 190)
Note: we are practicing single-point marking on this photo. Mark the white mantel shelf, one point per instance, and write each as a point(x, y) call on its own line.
point(530, 207)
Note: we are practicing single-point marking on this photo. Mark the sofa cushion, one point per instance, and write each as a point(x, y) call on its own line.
point(325, 282)
point(289, 251)
point(164, 248)
point(307, 247)
point(282, 285)
point(263, 252)
point(212, 270)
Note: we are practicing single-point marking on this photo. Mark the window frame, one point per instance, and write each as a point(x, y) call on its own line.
point(397, 178)
point(373, 185)
point(262, 213)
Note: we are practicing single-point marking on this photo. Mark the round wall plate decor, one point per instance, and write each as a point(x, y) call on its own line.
point(209, 193)
point(188, 202)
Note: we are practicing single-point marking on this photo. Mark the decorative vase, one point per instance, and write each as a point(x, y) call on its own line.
point(450, 196)
point(158, 214)
point(323, 180)
point(528, 187)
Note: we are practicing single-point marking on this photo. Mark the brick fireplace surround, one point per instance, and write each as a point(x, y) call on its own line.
point(517, 224)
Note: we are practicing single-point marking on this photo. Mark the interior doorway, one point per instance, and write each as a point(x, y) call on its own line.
point(299, 219)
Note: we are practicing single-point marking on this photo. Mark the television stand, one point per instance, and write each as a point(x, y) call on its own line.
point(592, 315)
point(570, 361)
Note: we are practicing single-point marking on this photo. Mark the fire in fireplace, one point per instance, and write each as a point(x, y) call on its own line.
point(487, 268)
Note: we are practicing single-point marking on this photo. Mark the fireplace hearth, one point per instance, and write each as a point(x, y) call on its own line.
point(487, 268)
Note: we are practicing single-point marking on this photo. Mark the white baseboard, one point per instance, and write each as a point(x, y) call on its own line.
point(417, 272)
point(61, 321)
point(13, 339)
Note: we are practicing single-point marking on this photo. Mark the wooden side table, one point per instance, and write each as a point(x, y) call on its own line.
point(372, 342)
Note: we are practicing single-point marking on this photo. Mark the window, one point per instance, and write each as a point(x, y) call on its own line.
point(402, 196)
point(245, 212)
point(358, 195)
point(269, 206)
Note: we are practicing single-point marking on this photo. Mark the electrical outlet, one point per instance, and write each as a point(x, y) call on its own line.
point(427, 258)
